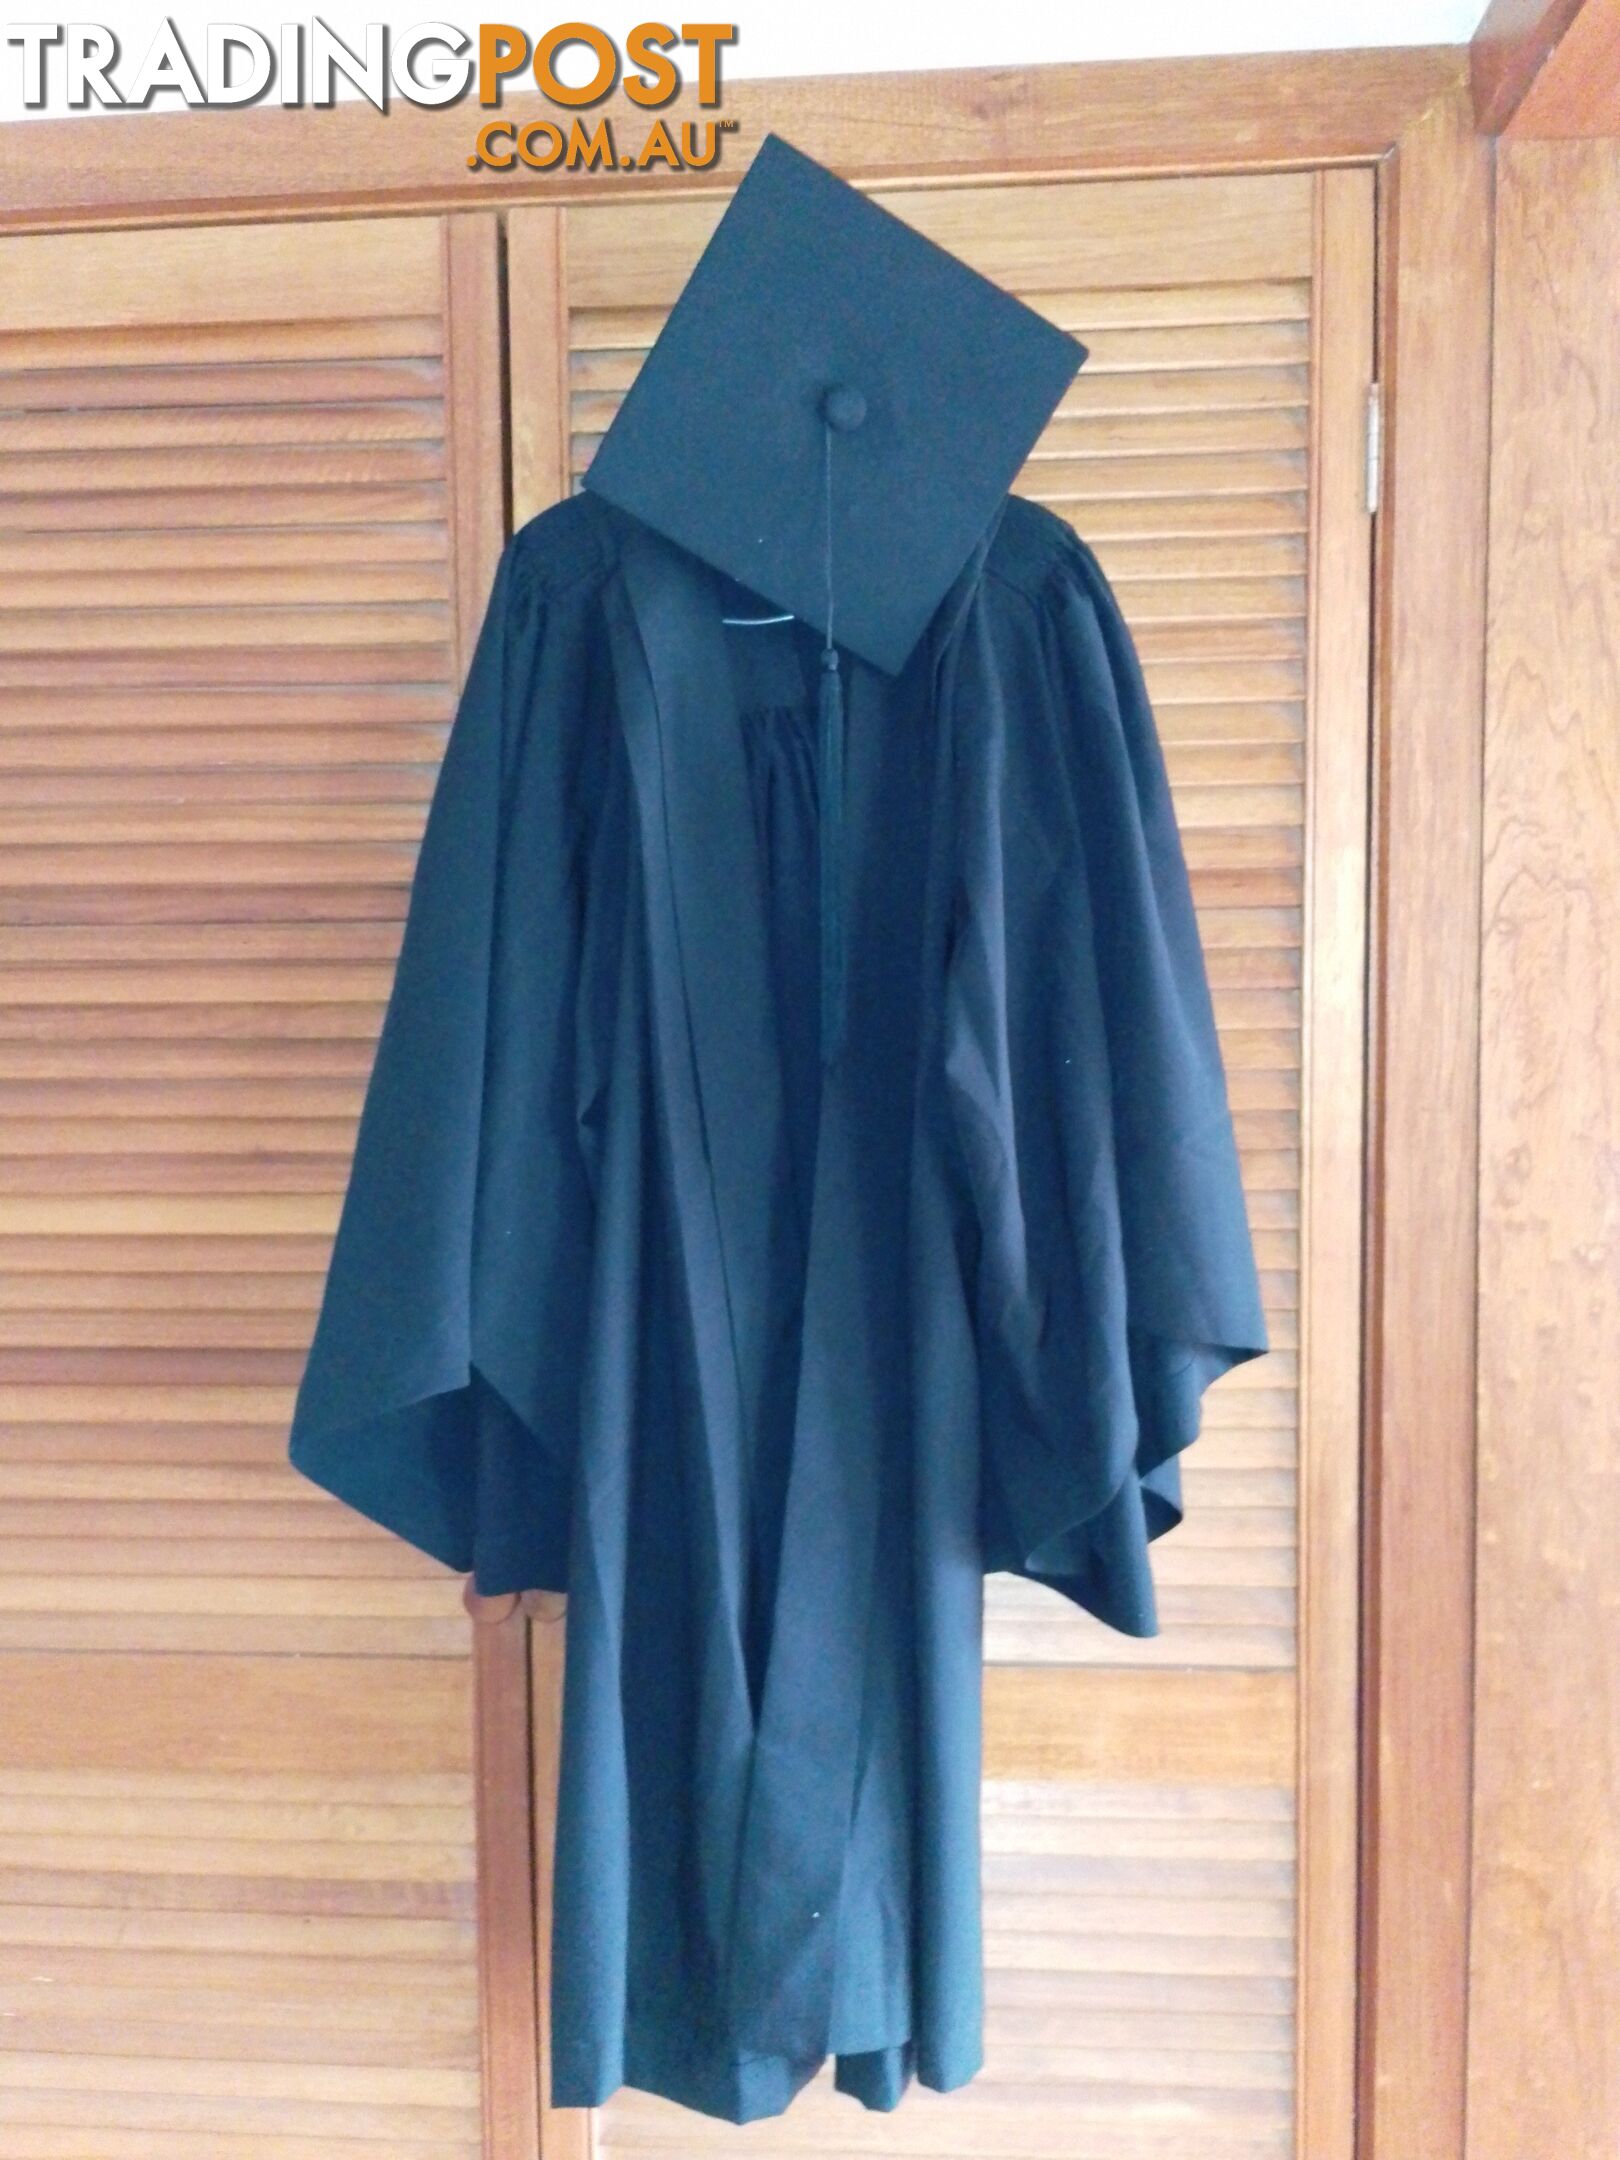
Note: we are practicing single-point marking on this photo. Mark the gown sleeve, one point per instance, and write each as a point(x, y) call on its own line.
point(1117, 1275)
point(400, 1411)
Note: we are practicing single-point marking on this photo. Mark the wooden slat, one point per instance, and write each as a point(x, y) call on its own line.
point(254, 1714)
point(288, 273)
point(30, 385)
point(1223, 1728)
point(77, 592)
point(91, 471)
point(156, 426)
point(58, 355)
point(245, 629)
point(166, 510)
point(128, 555)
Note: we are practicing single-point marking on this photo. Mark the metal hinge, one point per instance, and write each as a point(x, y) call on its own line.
point(1375, 444)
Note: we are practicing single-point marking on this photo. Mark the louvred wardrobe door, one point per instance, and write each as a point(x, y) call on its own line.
point(1169, 1825)
point(250, 499)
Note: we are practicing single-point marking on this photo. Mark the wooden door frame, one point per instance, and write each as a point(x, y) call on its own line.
point(1407, 114)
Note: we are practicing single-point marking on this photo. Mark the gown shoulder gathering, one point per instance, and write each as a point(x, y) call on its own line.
point(768, 1359)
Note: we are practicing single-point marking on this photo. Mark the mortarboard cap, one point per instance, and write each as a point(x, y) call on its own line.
point(835, 408)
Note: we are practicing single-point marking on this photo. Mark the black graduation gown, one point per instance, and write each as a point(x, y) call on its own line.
point(767, 1369)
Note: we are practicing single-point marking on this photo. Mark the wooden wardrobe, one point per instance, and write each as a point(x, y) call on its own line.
point(273, 1801)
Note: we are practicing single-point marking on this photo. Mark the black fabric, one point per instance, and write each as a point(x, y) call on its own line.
point(811, 298)
point(767, 1365)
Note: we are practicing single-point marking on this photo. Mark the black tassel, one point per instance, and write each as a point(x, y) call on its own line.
point(831, 791)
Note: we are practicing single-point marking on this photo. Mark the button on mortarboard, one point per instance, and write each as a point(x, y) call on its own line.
point(814, 313)
point(843, 408)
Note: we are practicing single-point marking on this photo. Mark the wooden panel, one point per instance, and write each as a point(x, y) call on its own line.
point(1509, 49)
point(1211, 451)
point(1435, 365)
point(1543, 2068)
point(246, 530)
point(1548, 69)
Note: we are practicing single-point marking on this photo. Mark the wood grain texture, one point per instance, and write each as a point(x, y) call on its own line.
point(95, 1711)
point(1229, 1728)
point(1509, 49)
point(1547, 69)
point(1434, 344)
point(1229, 113)
point(504, 1788)
point(1544, 2070)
